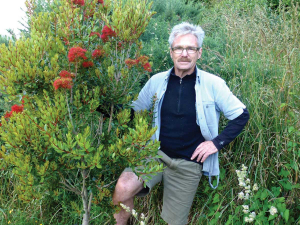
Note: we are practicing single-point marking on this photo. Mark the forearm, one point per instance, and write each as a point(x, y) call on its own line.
point(231, 131)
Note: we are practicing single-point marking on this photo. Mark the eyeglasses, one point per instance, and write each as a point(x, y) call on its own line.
point(189, 50)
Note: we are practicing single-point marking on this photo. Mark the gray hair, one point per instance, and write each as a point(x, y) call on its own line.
point(187, 28)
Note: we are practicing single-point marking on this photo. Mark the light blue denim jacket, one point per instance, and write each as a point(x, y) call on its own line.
point(212, 97)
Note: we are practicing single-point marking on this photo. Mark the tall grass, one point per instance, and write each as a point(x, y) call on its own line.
point(257, 51)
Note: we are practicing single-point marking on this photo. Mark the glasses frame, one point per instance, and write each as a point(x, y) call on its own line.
point(196, 49)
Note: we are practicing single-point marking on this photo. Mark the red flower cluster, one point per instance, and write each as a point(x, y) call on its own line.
point(95, 33)
point(97, 53)
point(106, 33)
point(66, 74)
point(79, 2)
point(14, 109)
point(87, 64)
point(142, 60)
point(131, 62)
point(100, 1)
point(147, 67)
point(65, 83)
point(76, 53)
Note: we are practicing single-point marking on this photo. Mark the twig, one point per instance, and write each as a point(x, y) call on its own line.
point(110, 118)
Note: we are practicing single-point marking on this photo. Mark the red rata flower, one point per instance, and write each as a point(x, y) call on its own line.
point(131, 62)
point(7, 114)
point(76, 53)
point(14, 109)
point(65, 83)
point(147, 67)
point(95, 33)
point(100, 1)
point(78, 2)
point(17, 108)
point(97, 53)
point(87, 64)
point(65, 74)
point(143, 59)
point(106, 33)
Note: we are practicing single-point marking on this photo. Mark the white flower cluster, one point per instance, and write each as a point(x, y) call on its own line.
point(251, 217)
point(246, 193)
point(142, 218)
point(273, 210)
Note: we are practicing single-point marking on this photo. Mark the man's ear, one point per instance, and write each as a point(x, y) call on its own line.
point(200, 53)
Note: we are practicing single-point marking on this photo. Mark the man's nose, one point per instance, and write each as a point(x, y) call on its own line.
point(184, 52)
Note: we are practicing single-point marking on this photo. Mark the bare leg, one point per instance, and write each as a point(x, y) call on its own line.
point(127, 187)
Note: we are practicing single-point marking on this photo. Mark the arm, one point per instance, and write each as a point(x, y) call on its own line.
point(234, 110)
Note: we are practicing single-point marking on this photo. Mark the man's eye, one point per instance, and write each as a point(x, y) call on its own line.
point(178, 48)
point(191, 48)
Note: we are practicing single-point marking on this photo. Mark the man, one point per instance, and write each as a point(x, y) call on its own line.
point(188, 106)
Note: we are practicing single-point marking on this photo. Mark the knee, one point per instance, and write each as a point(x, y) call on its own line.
point(126, 187)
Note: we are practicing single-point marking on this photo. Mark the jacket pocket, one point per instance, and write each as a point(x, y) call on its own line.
point(210, 113)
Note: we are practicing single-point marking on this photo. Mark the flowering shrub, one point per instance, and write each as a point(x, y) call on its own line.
point(256, 205)
point(95, 33)
point(66, 74)
point(65, 83)
point(97, 53)
point(87, 64)
point(14, 109)
point(76, 54)
point(78, 2)
point(82, 138)
point(106, 33)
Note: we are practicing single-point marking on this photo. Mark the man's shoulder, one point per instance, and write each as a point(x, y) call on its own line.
point(159, 76)
point(209, 77)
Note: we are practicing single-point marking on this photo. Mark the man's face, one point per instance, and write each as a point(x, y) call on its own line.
point(185, 62)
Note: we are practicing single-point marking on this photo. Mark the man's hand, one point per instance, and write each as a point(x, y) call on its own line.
point(204, 150)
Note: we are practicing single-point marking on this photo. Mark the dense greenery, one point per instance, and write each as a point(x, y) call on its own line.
point(255, 46)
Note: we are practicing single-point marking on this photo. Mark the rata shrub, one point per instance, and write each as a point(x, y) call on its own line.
point(73, 81)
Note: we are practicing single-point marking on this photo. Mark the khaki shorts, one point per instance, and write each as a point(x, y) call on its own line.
point(180, 179)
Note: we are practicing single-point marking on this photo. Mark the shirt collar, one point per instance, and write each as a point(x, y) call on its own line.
point(190, 75)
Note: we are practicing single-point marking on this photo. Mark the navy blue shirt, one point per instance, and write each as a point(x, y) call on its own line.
point(179, 134)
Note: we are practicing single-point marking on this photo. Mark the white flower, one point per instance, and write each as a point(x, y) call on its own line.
point(247, 187)
point(244, 168)
point(245, 208)
point(142, 216)
point(142, 223)
point(241, 182)
point(241, 195)
point(255, 187)
point(246, 219)
point(134, 213)
point(252, 215)
point(247, 191)
point(273, 210)
point(250, 220)
point(127, 209)
point(248, 181)
point(247, 196)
